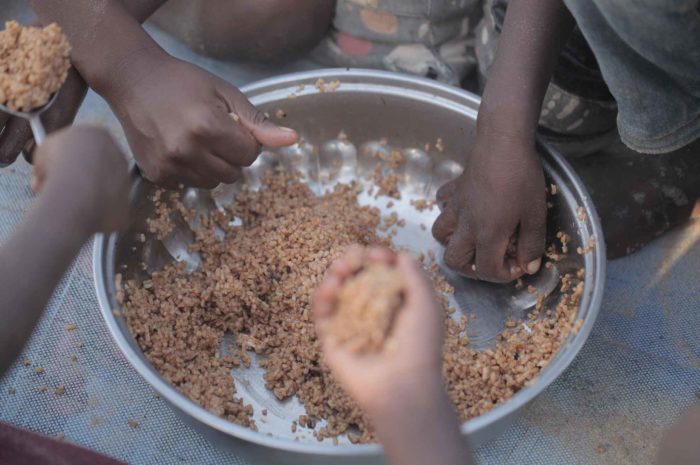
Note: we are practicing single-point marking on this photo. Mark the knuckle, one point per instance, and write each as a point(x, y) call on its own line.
point(198, 128)
point(439, 235)
point(489, 273)
point(530, 251)
point(485, 271)
point(200, 123)
point(249, 152)
point(171, 146)
point(175, 150)
point(445, 192)
point(452, 261)
point(440, 229)
point(210, 183)
point(178, 156)
point(486, 265)
point(158, 173)
point(445, 203)
point(458, 258)
point(490, 232)
point(230, 176)
point(257, 117)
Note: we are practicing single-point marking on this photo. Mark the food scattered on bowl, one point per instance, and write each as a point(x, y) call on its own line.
point(34, 63)
point(262, 257)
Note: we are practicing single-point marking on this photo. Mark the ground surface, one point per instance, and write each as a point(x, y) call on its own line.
point(638, 371)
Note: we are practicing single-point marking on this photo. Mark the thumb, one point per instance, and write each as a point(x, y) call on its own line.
point(265, 131)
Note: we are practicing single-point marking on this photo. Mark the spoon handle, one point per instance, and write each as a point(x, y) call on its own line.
point(37, 129)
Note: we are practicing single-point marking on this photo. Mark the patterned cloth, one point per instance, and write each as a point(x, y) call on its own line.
point(431, 38)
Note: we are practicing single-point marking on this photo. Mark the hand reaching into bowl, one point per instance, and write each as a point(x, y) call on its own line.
point(399, 387)
point(185, 125)
point(500, 194)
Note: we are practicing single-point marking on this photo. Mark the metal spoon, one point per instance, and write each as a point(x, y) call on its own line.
point(34, 118)
point(494, 304)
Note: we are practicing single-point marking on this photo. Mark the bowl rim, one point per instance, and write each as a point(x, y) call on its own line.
point(105, 243)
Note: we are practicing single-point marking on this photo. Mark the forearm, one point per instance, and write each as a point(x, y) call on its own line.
point(32, 262)
point(423, 429)
point(108, 41)
point(533, 34)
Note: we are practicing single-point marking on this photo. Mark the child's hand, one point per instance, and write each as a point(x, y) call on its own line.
point(412, 355)
point(84, 168)
point(501, 194)
point(177, 118)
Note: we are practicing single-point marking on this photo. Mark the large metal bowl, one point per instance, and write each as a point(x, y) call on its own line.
point(368, 106)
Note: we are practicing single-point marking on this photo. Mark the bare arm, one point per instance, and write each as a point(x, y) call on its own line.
point(32, 262)
point(84, 189)
point(501, 193)
point(15, 134)
point(105, 39)
point(184, 125)
point(417, 429)
point(533, 34)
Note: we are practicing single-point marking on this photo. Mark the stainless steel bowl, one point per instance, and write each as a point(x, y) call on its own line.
point(368, 106)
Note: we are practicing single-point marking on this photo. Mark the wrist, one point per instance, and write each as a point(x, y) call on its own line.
point(508, 110)
point(506, 123)
point(405, 395)
point(422, 429)
point(122, 78)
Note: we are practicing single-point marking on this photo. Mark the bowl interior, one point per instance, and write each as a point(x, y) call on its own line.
point(371, 112)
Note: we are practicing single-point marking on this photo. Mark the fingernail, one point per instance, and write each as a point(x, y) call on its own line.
point(533, 266)
point(282, 128)
point(515, 270)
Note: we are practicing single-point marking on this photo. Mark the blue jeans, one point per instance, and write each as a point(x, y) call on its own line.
point(649, 55)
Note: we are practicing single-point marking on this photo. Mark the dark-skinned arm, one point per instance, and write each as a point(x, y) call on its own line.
point(501, 193)
point(184, 125)
point(534, 33)
point(15, 134)
point(104, 40)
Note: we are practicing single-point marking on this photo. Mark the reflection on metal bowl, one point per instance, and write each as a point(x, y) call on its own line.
point(368, 107)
